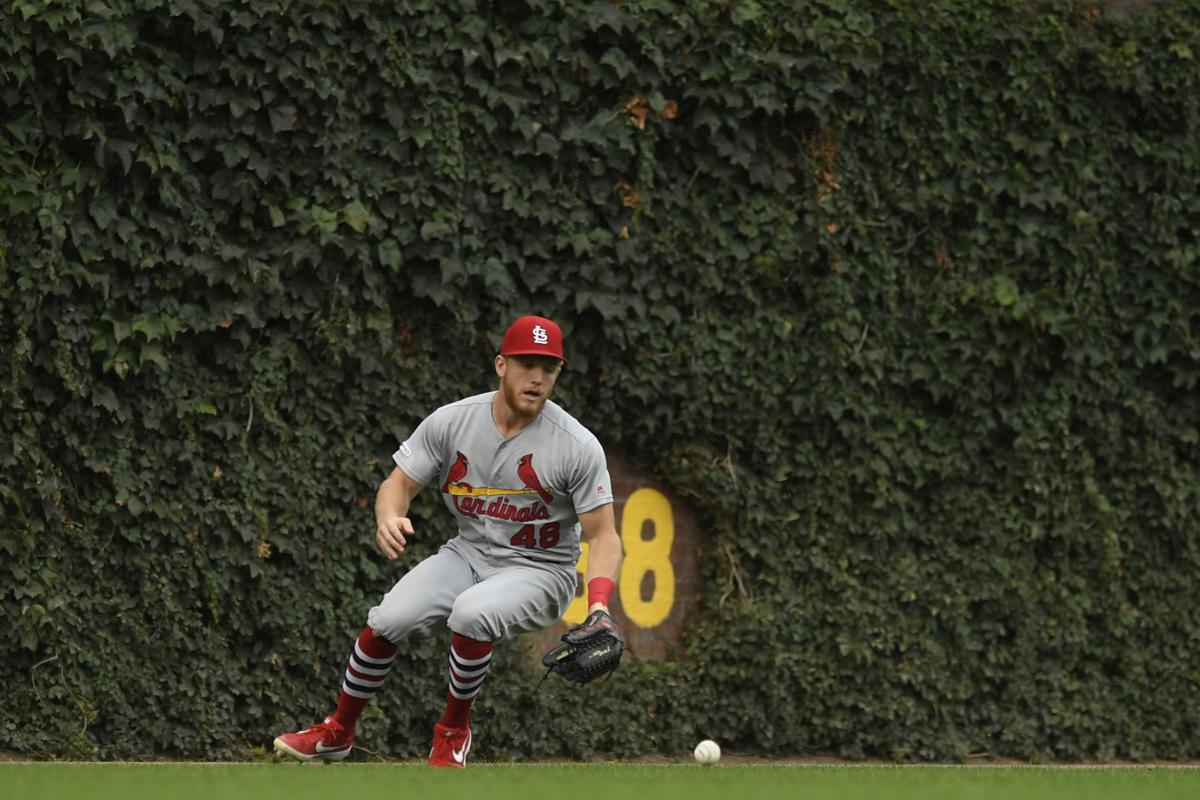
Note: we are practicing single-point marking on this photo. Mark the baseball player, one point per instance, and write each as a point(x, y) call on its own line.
point(525, 480)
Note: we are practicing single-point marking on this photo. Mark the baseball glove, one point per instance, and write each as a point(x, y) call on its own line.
point(589, 650)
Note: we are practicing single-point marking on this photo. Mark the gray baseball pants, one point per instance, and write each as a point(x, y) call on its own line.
point(480, 598)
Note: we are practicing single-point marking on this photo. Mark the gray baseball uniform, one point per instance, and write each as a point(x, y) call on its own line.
point(517, 500)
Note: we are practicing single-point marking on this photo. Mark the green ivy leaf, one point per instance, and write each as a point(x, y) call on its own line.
point(389, 254)
point(150, 325)
point(435, 230)
point(357, 216)
point(1005, 290)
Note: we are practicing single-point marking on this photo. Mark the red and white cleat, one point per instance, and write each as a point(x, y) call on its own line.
point(450, 746)
point(325, 741)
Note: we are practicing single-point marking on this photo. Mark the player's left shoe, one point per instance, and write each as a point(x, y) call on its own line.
point(450, 746)
point(325, 741)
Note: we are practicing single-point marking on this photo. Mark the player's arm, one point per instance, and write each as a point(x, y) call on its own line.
point(593, 648)
point(599, 529)
point(395, 495)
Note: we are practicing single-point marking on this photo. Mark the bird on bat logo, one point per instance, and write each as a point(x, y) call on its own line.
point(530, 478)
point(458, 471)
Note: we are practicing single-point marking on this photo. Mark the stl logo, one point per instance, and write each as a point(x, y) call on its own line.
point(539, 335)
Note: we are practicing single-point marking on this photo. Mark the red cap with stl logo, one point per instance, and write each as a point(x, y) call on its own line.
point(533, 336)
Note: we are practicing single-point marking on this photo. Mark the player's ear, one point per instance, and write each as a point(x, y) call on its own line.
point(500, 364)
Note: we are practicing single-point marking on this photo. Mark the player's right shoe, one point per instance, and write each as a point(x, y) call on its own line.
point(325, 741)
point(450, 746)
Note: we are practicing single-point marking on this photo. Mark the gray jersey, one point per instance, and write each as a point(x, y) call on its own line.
point(515, 497)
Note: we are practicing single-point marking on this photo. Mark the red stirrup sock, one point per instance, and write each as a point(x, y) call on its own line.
point(370, 662)
point(469, 663)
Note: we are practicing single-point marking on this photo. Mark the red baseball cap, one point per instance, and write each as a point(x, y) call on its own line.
point(533, 336)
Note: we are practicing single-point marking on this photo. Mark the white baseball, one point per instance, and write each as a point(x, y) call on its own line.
point(707, 752)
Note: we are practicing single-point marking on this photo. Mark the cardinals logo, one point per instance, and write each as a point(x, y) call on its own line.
point(458, 471)
point(470, 500)
point(530, 478)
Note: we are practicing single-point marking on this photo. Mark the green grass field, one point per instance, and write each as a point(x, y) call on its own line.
point(287, 781)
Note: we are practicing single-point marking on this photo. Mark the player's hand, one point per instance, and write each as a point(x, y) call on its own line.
point(390, 536)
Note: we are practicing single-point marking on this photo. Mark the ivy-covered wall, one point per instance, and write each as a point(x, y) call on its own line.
point(902, 296)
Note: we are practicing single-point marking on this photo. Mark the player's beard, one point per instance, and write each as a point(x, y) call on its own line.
point(518, 403)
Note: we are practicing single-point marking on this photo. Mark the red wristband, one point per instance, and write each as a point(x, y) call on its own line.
point(599, 590)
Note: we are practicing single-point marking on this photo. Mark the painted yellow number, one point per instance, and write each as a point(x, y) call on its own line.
point(644, 556)
point(577, 611)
